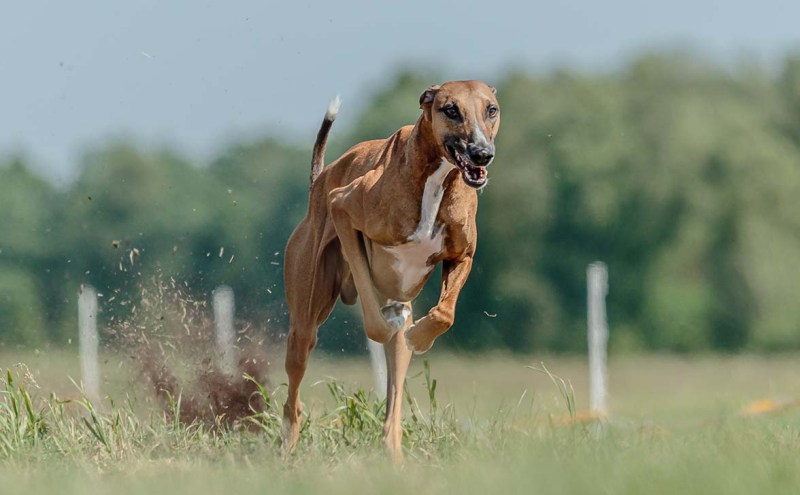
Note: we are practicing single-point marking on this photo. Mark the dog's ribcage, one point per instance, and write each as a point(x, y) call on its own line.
point(428, 239)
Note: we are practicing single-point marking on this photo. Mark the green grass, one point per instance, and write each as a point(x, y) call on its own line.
point(487, 427)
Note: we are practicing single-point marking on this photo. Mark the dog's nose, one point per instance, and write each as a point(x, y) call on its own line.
point(481, 155)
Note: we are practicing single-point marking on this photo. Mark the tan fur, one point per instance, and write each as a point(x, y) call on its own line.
point(361, 207)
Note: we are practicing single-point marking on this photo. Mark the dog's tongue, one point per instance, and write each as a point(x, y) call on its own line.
point(474, 176)
point(476, 173)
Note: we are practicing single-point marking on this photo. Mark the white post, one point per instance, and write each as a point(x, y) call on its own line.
point(89, 341)
point(223, 325)
point(378, 359)
point(597, 287)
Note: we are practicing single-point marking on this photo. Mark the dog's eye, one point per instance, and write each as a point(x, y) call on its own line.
point(492, 111)
point(451, 112)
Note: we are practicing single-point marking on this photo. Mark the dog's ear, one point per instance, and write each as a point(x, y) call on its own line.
point(427, 96)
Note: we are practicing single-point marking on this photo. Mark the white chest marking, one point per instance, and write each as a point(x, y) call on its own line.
point(412, 257)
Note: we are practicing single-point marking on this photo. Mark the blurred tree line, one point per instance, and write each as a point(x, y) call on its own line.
point(683, 176)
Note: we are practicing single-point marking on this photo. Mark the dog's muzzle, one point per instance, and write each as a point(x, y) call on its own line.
point(472, 163)
point(480, 155)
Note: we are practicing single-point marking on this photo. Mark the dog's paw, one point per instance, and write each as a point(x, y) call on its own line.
point(396, 313)
point(290, 431)
point(417, 341)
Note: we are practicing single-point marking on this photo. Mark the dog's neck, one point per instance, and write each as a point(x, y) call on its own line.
point(423, 154)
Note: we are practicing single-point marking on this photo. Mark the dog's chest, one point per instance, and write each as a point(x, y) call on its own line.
point(411, 258)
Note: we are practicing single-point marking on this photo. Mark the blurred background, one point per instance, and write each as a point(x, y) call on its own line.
point(144, 141)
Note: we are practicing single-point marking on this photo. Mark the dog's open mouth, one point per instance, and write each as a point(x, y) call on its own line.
point(473, 175)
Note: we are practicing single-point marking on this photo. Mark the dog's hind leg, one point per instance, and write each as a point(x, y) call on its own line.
point(310, 296)
point(302, 338)
point(398, 357)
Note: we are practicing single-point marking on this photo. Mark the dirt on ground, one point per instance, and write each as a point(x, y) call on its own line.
point(169, 336)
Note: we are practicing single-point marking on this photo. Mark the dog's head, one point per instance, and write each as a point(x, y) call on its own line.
point(465, 118)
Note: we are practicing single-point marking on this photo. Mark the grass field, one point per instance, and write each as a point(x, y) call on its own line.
point(496, 425)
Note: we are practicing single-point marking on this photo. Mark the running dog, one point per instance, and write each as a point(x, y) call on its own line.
point(379, 220)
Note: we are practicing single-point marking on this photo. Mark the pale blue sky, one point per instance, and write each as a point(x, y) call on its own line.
point(195, 74)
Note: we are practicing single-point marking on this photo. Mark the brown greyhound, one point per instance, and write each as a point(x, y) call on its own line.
point(379, 220)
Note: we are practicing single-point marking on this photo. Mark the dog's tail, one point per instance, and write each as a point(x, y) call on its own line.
point(318, 156)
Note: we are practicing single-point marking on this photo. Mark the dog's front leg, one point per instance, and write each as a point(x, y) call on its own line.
point(439, 319)
point(347, 212)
